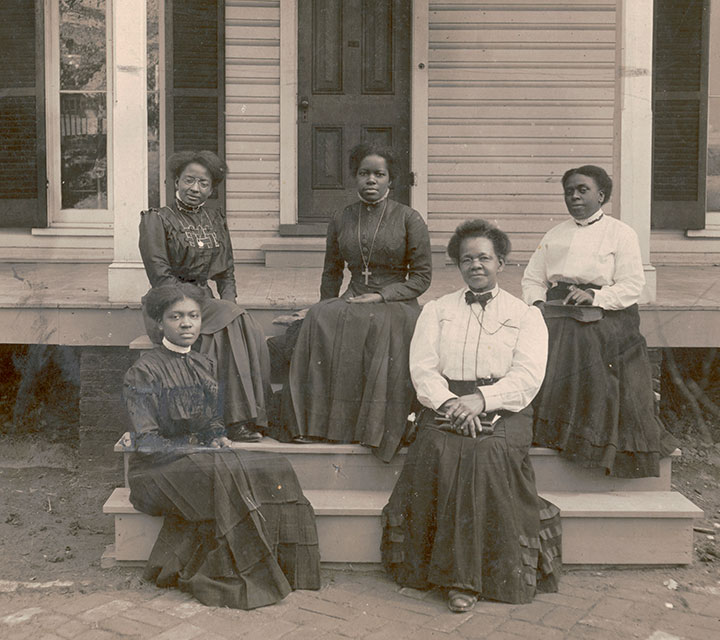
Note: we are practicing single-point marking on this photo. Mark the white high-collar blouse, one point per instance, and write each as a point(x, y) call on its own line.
point(605, 253)
point(456, 341)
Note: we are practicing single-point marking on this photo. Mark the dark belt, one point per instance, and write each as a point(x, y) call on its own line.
point(466, 387)
point(562, 289)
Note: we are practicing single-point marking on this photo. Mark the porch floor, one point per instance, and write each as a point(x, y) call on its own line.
point(67, 303)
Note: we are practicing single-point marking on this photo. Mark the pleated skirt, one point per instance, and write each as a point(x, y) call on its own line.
point(232, 338)
point(465, 514)
point(238, 531)
point(349, 375)
point(596, 405)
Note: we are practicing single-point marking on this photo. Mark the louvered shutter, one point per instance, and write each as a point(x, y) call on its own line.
point(22, 115)
point(680, 114)
point(195, 77)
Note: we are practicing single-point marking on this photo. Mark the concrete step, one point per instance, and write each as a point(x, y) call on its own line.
point(354, 467)
point(613, 528)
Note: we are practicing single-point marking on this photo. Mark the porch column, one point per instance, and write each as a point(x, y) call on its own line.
point(634, 130)
point(126, 277)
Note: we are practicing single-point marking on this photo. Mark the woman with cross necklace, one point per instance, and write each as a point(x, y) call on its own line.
point(349, 379)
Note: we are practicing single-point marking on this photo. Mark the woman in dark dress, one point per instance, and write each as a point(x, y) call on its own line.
point(465, 514)
point(238, 531)
point(596, 405)
point(349, 379)
point(189, 241)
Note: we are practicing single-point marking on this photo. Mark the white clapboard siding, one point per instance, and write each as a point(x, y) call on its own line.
point(252, 124)
point(518, 93)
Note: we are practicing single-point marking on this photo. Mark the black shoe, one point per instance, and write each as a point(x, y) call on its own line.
point(243, 433)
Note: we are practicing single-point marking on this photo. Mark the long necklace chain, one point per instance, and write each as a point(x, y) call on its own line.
point(366, 263)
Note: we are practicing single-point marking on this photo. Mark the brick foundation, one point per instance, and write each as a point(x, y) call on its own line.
point(102, 413)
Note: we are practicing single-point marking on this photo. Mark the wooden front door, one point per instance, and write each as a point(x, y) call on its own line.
point(353, 86)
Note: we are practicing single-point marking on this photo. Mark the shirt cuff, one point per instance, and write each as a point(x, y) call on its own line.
point(437, 405)
point(493, 398)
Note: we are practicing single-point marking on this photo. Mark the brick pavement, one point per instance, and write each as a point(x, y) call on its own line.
point(611, 604)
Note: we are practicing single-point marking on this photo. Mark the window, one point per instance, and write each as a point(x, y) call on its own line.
point(79, 99)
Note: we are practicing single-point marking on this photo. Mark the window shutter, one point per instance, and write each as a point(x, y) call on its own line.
point(680, 114)
point(195, 78)
point(22, 115)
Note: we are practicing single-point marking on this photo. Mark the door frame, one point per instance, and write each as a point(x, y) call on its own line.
point(289, 111)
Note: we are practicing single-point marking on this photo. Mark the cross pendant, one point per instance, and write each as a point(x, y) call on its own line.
point(367, 273)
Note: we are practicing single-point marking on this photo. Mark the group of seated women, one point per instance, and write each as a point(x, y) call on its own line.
point(469, 383)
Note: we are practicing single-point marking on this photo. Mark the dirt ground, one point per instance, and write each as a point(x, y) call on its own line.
point(52, 526)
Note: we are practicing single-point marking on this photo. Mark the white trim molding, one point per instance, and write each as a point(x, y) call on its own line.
point(634, 126)
point(127, 281)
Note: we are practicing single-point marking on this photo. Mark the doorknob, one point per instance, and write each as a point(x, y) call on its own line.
point(304, 105)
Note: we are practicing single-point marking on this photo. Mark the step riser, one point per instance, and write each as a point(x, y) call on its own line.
point(366, 473)
point(612, 541)
point(553, 473)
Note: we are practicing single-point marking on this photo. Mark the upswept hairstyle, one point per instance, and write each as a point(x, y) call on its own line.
point(602, 179)
point(215, 166)
point(479, 228)
point(159, 299)
point(361, 151)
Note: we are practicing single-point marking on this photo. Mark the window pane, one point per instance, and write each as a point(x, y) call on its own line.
point(153, 149)
point(83, 148)
point(153, 45)
point(82, 45)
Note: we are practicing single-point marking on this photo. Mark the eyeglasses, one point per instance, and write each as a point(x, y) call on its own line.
point(189, 181)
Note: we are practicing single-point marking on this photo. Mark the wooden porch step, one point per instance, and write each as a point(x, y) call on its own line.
point(613, 528)
point(352, 466)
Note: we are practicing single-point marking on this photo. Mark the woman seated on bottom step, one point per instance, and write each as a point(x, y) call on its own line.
point(238, 531)
point(465, 514)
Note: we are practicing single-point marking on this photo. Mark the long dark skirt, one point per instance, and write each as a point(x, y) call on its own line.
point(238, 531)
point(232, 338)
point(596, 405)
point(465, 514)
point(349, 376)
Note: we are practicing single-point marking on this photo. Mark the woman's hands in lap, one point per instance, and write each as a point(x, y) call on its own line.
point(365, 298)
point(465, 413)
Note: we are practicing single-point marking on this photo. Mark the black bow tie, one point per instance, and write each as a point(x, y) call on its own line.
point(482, 298)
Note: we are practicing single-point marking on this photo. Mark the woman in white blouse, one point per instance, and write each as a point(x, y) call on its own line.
point(465, 514)
point(596, 405)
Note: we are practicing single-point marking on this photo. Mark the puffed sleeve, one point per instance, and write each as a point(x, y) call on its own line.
point(534, 281)
point(332, 275)
point(225, 280)
point(516, 389)
point(142, 404)
point(153, 249)
point(418, 257)
point(431, 387)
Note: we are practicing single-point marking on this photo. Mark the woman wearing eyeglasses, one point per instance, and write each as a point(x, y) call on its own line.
point(188, 241)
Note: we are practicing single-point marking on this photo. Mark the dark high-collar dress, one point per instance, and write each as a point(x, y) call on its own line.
point(238, 531)
point(179, 244)
point(349, 378)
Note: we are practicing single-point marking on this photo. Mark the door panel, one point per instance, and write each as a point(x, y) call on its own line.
point(353, 86)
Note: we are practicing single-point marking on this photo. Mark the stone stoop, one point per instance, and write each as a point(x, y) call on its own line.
point(605, 520)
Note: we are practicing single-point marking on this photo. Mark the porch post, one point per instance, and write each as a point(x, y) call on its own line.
point(634, 130)
point(126, 277)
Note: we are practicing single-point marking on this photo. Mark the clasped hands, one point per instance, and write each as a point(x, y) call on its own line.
point(465, 413)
